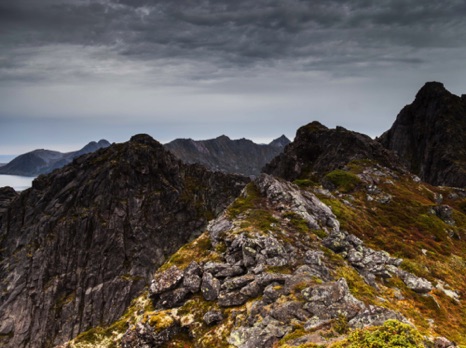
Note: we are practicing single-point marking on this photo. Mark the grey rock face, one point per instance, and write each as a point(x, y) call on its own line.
point(263, 334)
point(7, 195)
point(230, 156)
point(429, 135)
point(95, 230)
point(417, 284)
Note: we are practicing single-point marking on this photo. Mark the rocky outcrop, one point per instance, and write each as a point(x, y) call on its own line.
point(318, 150)
point(231, 156)
point(429, 135)
point(44, 161)
point(371, 263)
point(78, 246)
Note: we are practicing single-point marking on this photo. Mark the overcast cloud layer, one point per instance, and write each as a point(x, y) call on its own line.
point(74, 71)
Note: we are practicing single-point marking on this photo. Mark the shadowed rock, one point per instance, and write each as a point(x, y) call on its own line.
point(429, 135)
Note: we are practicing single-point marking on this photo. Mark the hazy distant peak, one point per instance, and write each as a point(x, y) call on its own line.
point(43, 161)
point(280, 141)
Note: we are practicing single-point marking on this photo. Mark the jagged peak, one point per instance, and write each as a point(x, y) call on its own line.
point(432, 88)
point(281, 141)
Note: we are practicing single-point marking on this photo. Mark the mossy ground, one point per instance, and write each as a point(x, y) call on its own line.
point(407, 228)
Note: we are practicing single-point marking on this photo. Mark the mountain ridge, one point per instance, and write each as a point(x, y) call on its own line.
point(43, 161)
point(241, 156)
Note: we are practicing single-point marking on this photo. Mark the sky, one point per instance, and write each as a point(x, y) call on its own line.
point(73, 71)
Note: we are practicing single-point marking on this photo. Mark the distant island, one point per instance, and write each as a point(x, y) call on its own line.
point(42, 161)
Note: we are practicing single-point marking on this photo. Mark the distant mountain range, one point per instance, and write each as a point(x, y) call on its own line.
point(240, 156)
point(219, 155)
point(43, 161)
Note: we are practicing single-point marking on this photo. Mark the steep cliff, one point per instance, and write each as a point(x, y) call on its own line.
point(230, 156)
point(78, 246)
point(44, 161)
point(429, 135)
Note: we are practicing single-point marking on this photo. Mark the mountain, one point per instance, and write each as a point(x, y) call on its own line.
point(79, 245)
point(429, 135)
point(43, 161)
point(336, 245)
point(318, 150)
point(231, 156)
point(376, 260)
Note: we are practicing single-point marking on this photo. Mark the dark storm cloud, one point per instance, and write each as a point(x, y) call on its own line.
point(310, 34)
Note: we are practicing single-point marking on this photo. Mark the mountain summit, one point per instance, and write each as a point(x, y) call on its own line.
point(317, 150)
point(429, 135)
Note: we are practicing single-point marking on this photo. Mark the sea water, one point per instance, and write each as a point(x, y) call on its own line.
point(19, 183)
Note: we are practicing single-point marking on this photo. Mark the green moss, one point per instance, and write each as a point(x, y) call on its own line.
point(297, 222)
point(247, 201)
point(305, 183)
point(109, 336)
point(341, 324)
point(356, 284)
point(462, 206)
point(342, 180)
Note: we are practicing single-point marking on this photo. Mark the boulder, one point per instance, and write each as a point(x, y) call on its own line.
point(192, 277)
point(210, 287)
point(166, 281)
point(213, 317)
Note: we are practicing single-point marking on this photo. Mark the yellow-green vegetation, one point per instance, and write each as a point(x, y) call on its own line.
point(198, 250)
point(159, 320)
point(109, 337)
point(358, 287)
point(296, 221)
point(343, 181)
point(391, 334)
point(251, 209)
point(305, 183)
point(248, 200)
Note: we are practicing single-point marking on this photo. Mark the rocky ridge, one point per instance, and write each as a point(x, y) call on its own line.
point(429, 135)
point(240, 156)
point(78, 246)
point(318, 150)
point(43, 161)
point(277, 269)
